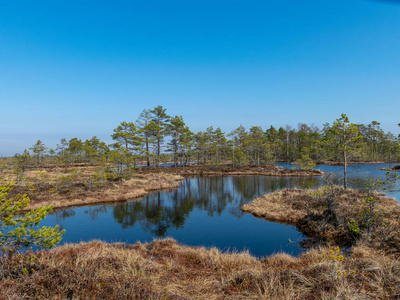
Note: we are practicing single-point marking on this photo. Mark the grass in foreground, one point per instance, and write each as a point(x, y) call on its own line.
point(165, 270)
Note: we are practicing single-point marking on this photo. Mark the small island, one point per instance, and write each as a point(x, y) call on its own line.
point(190, 150)
point(395, 168)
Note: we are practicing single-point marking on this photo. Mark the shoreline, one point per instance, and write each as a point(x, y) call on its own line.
point(224, 170)
point(339, 163)
point(158, 179)
point(395, 168)
point(307, 210)
point(165, 269)
point(62, 189)
point(125, 190)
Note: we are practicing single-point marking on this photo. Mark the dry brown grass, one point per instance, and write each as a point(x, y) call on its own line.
point(135, 187)
point(310, 215)
point(395, 168)
point(48, 173)
point(165, 270)
point(73, 186)
point(228, 170)
point(79, 192)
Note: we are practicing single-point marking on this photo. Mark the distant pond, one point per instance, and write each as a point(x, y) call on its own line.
point(203, 211)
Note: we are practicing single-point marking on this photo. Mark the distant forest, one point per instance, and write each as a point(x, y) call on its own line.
point(156, 138)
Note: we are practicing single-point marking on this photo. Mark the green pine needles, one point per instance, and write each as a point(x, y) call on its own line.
point(21, 230)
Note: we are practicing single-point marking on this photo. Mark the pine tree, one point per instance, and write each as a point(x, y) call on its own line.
point(21, 230)
point(145, 131)
point(159, 127)
point(345, 140)
point(175, 128)
point(127, 135)
point(38, 149)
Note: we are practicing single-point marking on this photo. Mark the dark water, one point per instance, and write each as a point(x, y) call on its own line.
point(203, 211)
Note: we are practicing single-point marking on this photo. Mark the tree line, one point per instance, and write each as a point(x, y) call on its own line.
point(156, 138)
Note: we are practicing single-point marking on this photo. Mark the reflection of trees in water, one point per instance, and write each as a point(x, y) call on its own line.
point(244, 190)
point(128, 213)
point(158, 212)
point(309, 182)
point(64, 214)
point(95, 211)
point(212, 194)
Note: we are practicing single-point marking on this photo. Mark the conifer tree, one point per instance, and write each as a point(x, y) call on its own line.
point(21, 230)
point(159, 127)
point(346, 140)
point(127, 136)
point(38, 149)
point(145, 131)
point(257, 142)
point(175, 128)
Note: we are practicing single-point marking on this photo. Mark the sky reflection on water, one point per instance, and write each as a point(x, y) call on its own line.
point(203, 211)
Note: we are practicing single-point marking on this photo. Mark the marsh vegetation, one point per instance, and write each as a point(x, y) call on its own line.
point(227, 172)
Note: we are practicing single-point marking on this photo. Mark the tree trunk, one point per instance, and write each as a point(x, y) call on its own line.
point(147, 151)
point(176, 150)
point(158, 152)
point(287, 145)
point(233, 156)
point(345, 167)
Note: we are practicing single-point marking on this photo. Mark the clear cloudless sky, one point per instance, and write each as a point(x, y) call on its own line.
point(79, 68)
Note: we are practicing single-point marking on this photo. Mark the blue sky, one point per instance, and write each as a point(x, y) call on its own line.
point(79, 68)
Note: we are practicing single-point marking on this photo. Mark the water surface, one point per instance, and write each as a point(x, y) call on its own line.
point(203, 211)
